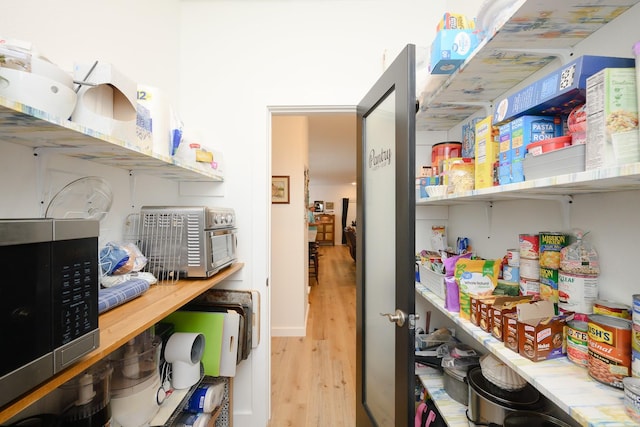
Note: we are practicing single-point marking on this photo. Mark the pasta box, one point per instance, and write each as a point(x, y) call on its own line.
point(558, 92)
point(540, 331)
point(527, 130)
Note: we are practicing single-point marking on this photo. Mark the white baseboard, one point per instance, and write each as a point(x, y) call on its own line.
point(297, 331)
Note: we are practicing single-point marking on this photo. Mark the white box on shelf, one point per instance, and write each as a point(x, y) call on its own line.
point(433, 281)
point(557, 162)
point(612, 119)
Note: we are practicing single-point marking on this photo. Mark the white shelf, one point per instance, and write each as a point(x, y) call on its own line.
point(21, 124)
point(455, 413)
point(619, 178)
point(569, 386)
point(513, 53)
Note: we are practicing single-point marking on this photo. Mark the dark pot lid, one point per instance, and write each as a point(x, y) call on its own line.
point(531, 419)
point(526, 398)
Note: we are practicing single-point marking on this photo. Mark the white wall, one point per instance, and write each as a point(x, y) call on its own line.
point(289, 268)
point(335, 194)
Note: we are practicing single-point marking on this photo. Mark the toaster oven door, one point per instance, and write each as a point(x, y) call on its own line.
point(223, 248)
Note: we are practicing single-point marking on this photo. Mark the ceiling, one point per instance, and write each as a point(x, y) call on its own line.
point(332, 148)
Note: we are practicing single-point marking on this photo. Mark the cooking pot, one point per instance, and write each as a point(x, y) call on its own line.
point(490, 404)
point(532, 419)
point(455, 385)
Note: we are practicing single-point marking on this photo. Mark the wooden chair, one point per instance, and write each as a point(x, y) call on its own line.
point(313, 260)
point(350, 234)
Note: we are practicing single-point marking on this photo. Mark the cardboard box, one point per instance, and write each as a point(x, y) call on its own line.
point(469, 138)
point(524, 131)
point(557, 162)
point(558, 92)
point(504, 154)
point(540, 331)
point(450, 48)
point(453, 21)
point(476, 303)
point(500, 308)
point(107, 104)
point(486, 154)
point(510, 331)
point(612, 119)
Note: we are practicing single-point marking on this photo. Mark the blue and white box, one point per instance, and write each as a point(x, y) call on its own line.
point(450, 49)
point(524, 131)
point(558, 92)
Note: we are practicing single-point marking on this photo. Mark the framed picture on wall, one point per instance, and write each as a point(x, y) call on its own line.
point(279, 189)
point(328, 206)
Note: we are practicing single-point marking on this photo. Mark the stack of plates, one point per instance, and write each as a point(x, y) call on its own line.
point(500, 374)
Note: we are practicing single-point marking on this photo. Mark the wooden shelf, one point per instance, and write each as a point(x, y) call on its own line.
point(119, 325)
point(537, 32)
point(21, 124)
point(590, 403)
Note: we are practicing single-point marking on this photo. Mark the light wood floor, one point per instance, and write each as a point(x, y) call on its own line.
point(313, 377)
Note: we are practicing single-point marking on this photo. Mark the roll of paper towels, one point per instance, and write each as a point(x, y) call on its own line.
point(154, 117)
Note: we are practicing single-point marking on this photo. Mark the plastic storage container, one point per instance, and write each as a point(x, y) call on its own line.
point(442, 151)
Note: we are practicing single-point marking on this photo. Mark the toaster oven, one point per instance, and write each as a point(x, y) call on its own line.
point(187, 241)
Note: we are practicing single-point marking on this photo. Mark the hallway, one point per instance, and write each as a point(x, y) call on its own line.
point(313, 377)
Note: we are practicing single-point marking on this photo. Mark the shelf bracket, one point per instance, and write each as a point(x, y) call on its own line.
point(132, 189)
point(564, 201)
point(564, 55)
point(488, 208)
point(42, 163)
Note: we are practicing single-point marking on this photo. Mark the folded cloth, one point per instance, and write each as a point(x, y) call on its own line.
point(116, 295)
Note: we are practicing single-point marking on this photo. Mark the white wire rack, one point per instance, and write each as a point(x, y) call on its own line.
point(159, 236)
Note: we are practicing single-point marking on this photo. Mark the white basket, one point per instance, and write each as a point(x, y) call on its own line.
point(433, 281)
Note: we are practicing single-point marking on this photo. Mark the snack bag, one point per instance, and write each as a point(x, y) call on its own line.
point(477, 277)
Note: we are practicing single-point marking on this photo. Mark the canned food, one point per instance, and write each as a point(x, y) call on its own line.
point(549, 285)
point(636, 309)
point(632, 398)
point(511, 274)
point(577, 340)
point(635, 363)
point(609, 347)
point(549, 248)
point(635, 337)
point(529, 246)
point(513, 258)
point(530, 269)
point(577, 292)
point(529, 287)
point(610, 308)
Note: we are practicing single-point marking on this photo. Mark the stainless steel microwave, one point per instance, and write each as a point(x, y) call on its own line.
point(48, 299)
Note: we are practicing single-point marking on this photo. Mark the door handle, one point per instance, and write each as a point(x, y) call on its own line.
point(399, 317)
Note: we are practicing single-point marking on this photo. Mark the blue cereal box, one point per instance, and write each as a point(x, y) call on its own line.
point(526, 130)
point(450, 49)
point(504, 154)
point(469, 138)
point(558, 92)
